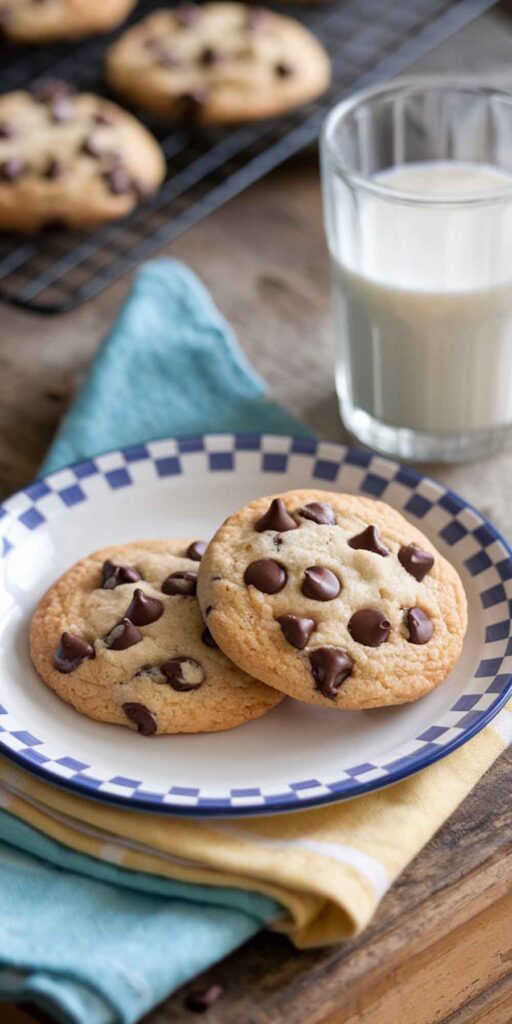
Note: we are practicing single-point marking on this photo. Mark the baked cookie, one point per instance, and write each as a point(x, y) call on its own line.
point(43, 21)
point(71, 158)
point(219, 63)
point(121, 638)
point(334, 599)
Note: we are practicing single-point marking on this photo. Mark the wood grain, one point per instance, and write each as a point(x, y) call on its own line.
point(444, 924)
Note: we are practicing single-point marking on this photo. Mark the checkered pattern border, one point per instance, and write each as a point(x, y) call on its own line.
point(473, 543)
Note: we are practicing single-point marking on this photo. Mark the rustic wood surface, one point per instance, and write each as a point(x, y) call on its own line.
point(440, 949)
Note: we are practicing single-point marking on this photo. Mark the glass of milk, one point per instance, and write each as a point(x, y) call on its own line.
point(417, 179)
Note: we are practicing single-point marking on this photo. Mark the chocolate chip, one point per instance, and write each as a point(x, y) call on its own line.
point(283, 70)
point(183, 673)
point(369, 540)
point(115, 574)
point(320, 584)
point(196, 550)
point(91, 147)
point(207, 638)
point(266, 575)
point(209, 56)
point(118, 181)
point(50, 90)
point(419, 626)
point(62, 109)
point(141, 717)
point(415, 561)
point(318, 512)
point(143, 610)
point(12, 168)
point(70, 652)
point(122, 636)
point(370, 627)
point(182, 582)
point(199, 1002)
point(101, 118)
point(53, 169)
point(276, 518)
point(330, 667)
point(296, 630)
point(186, 15)
point(7, 130)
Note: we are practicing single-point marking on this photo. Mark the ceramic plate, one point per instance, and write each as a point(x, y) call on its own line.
point(297, 755)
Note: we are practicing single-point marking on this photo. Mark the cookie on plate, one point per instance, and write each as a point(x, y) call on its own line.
point(121, 638)
point(219, 63)
point(334, 599)
point(43, 21)
point(71, 158)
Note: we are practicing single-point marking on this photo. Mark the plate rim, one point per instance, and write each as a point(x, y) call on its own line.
point(220, 807)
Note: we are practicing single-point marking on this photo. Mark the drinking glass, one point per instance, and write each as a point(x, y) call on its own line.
point(417, 186)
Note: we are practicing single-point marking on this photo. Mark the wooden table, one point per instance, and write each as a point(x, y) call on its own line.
point(440, 949)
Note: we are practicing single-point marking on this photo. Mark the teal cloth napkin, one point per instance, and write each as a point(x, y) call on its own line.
point(94, 943)
point(171, 365)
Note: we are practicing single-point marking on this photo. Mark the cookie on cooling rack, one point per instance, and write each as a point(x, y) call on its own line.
point(44, 21)
point(219, 63)
point(121, 638)
point(334, 599)
point(71, 158)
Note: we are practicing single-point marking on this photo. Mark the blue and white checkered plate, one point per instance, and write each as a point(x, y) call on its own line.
point(297, 755)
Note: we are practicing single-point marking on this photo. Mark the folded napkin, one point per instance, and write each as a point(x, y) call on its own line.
point(98, 948)
point(326, 868)
point(171, 366)
point(143, 901)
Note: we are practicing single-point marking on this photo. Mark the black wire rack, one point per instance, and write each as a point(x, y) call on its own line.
point(57, 270)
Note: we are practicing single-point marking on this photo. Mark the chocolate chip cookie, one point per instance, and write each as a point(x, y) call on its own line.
point(218, 63)
point(334, 599)
point(43, 21)
point(71, 158)
point(121, 638)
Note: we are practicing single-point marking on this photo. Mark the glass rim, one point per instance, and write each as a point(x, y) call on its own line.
point(409, 84)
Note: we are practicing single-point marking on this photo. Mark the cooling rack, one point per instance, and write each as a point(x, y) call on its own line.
point(367, 39)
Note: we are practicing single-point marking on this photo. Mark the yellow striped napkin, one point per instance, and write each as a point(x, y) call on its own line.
point(328, 868)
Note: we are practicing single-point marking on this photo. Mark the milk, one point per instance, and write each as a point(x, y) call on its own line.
point(423, 300)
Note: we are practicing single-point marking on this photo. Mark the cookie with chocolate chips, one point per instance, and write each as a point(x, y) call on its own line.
point(44, 21)
point(72, 158)
point(335, 599)
point(116, 641)
point(218, 63)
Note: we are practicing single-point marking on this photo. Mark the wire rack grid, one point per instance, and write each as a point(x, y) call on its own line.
point(57, 270)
